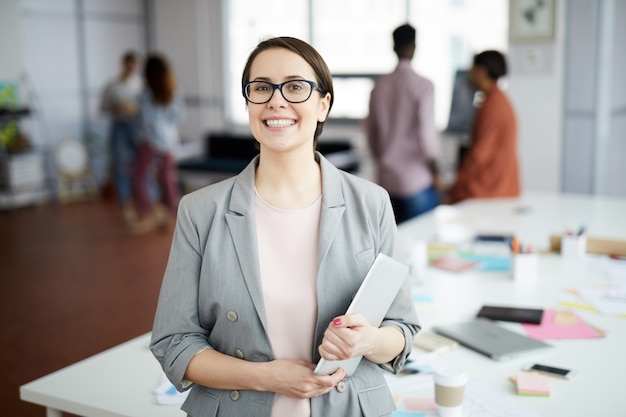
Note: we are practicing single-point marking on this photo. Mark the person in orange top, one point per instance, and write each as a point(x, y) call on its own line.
point(490, 167)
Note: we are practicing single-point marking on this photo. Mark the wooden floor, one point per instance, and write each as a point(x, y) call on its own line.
point(73, 282)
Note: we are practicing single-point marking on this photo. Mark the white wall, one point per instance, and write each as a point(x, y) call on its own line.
point(189, 33)
point(536, 90)
point(11, 62)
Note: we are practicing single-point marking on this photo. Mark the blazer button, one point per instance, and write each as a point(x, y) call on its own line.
point(231, 316)
point(341, 386)
point(239, 353)
point(234, 395)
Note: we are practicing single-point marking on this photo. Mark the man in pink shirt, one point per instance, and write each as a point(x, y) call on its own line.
point(401, 132)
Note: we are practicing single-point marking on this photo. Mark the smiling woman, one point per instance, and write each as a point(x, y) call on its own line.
point(246, 331)
point(297, 108)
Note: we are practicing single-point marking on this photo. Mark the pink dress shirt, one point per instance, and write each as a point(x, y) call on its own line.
point(288, 241)
point(401, 131)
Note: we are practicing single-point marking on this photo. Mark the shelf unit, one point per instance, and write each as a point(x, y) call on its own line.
point(23, 174)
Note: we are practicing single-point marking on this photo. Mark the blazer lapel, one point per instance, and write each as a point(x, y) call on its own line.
point(242, 225)
point(333, 207)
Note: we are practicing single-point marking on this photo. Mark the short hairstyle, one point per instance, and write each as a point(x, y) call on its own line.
point(404, 36)
point(493, 61)
point(129, 56)
point(310, 55)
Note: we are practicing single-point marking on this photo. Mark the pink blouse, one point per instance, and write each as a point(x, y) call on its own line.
point(288, 241)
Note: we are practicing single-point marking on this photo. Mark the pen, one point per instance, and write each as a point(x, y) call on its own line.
point(515, 245)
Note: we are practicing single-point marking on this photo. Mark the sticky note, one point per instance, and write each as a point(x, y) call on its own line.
point(400, 413)
point(529, 383)
point(566, 318)
point(419, 404)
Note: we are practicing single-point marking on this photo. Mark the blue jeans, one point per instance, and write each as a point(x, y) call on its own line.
point(123, 153)
point(406, 208)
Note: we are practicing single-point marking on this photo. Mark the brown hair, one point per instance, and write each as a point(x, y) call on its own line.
point(310, 55)
point(160, 79)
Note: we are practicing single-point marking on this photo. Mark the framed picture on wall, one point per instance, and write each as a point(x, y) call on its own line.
point(532, 20)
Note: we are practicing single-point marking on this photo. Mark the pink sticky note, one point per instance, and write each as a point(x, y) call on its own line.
point(552, 327)
point(529, 383)
point(419, 404)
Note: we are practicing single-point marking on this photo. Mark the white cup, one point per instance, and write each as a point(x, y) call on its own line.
point(524, 268)
point(449, 391)
point(573, 246)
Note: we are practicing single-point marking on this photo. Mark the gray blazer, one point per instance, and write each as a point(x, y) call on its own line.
point(211, 295)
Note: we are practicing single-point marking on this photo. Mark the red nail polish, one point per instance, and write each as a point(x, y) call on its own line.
point(337, 322)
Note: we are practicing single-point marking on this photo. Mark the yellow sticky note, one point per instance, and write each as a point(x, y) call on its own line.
point(566, 318)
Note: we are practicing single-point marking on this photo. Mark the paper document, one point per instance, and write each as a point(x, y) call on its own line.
point(166, 394)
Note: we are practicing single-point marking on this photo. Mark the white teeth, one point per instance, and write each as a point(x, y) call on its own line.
point(279, 123)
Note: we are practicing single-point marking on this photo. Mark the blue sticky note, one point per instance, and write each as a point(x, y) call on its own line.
point(490, 263)
point(422, 298)
point(400, 413)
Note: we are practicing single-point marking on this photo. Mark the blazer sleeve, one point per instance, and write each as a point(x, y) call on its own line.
point(177, 334)
point(401, 314)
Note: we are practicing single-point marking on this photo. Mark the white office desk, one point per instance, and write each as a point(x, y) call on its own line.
point(598, 390)
point(119, 382)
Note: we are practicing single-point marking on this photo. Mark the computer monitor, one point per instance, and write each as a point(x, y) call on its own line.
point(463, 107)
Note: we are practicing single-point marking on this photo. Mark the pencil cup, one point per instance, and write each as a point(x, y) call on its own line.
point(417, 259)
point(524, 267)
point(449, 391)
point(573, 246)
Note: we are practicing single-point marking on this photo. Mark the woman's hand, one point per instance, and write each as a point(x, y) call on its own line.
point(348, 336)
point(351, 335)
point(296, 379)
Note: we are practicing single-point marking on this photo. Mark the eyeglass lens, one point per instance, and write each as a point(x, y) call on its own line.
point(295, 91)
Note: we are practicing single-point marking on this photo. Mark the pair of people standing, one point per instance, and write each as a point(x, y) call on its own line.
point(405, 144)
point(144, 136)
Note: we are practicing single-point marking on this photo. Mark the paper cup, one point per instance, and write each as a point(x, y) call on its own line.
point(449, 391)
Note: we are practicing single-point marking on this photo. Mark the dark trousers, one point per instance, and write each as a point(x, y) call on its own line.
point(405, 208)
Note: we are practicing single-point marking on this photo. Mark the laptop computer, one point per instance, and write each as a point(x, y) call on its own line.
point(490, 339)
point(374, 297)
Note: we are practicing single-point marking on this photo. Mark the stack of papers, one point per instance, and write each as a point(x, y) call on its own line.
point(609, 299)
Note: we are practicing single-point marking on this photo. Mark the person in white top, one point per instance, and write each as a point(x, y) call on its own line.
point(264, 264)
point(119, 102)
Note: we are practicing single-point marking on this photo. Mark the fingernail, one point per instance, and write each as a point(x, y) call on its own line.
point(337, 322)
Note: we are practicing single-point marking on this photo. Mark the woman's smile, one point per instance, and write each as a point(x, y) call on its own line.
point(279, 122)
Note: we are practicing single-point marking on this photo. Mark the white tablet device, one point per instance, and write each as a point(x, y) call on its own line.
point(372, 300)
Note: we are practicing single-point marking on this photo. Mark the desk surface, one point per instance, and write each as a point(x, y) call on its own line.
point(120, 382)
point(457, 297)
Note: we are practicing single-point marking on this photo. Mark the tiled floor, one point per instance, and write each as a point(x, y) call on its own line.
point(73, 282)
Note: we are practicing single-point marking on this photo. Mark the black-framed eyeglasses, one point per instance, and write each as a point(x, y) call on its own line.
point(294, 91)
